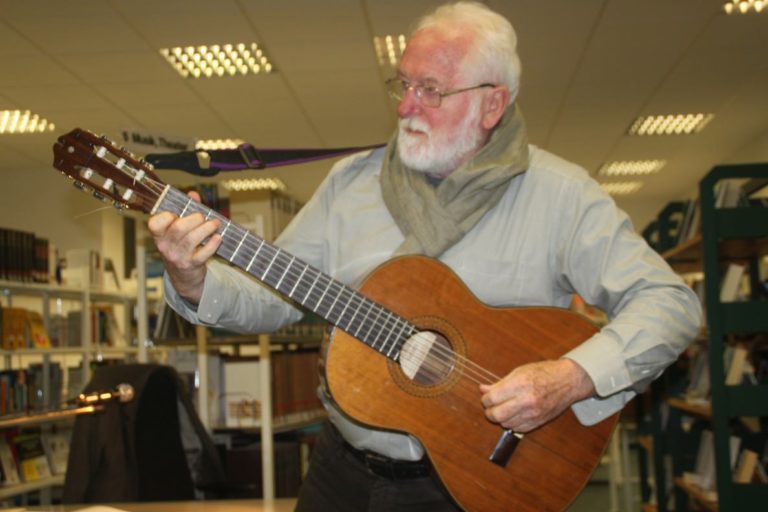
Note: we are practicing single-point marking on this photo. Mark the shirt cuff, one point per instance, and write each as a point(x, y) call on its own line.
point(602, 358)
point(211, 305)
point(595, 409)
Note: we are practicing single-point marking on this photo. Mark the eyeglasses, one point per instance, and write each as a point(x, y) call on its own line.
point(428, 95)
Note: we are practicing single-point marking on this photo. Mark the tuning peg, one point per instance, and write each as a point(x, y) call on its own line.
point(79, 184)
point(98, 195)
point(118, 205)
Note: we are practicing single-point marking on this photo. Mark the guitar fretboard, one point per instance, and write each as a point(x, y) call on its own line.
point(332, 300)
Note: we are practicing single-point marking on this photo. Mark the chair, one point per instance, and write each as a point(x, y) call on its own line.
point(151, 448)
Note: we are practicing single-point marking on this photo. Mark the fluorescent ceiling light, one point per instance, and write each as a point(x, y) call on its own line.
point(245, 184)
point(670, 124)
point(631, 167)
point(744, 6)
point(217, 60)
point(212, 144)
point(23, 121)
point(389, 49)
point(619, 188)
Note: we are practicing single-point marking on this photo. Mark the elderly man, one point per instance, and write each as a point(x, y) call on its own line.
point(458, 182)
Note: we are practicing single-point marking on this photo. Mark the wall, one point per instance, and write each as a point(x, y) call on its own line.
point(46, 203)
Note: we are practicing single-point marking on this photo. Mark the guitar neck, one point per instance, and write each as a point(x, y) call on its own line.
point(332, 300)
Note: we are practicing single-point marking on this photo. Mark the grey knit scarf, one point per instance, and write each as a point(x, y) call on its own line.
point(433, 218)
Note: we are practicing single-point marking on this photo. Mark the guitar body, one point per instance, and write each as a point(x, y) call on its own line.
point(549, 466)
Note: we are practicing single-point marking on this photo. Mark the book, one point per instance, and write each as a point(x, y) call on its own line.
point(38, 336)
point(745, 467)
point(699, 383)
point(11, 473)
point(33, 463)
point(56, 447)
point(737, 366)
point(14, 328)
point(731, 284)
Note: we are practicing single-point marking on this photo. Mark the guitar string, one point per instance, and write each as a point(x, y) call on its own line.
point(433, 366)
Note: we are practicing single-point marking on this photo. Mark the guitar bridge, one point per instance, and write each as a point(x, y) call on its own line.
point(505, 447)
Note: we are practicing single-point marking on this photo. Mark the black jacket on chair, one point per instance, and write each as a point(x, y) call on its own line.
point(152, 448)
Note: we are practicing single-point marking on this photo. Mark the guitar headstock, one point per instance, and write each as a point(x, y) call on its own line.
point(96, 165)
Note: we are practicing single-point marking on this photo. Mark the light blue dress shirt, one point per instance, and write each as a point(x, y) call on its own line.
point(554, 233)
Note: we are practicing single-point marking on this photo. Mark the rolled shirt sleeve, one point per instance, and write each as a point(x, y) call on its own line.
point(233, 301)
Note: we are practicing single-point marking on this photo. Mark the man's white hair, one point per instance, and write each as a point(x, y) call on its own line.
point(493, 55)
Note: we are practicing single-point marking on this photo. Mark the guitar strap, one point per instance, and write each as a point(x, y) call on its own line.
point(244, 157)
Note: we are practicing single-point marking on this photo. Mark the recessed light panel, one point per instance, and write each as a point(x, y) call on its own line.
point(212, 144)
point(245, 184)
point(23, 121)
point(218, 60)
point(631, 167)
point(619, 188)
point(744, 6)
point(670, 124)
point(389, 49)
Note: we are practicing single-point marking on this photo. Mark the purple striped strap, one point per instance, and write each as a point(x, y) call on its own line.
point(243, 157)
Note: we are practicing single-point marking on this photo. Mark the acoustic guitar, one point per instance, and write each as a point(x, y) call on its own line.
point(409, 350)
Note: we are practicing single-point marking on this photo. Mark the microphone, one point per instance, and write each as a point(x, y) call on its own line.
point(123, 393)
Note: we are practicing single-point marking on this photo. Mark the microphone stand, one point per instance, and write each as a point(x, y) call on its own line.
point(84, 404)
point(49, 416)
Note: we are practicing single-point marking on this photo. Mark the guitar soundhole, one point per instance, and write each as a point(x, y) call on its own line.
point(427, 358)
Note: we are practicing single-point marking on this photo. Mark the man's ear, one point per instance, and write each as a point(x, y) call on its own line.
point(494, 106)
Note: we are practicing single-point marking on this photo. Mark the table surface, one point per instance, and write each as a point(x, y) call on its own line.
point(277, 505)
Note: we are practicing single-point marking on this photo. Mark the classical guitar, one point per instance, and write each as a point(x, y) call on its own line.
point(409, 350)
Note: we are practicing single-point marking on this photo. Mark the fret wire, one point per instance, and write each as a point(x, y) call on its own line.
point(335, 300)
point(362, 322)
point(346, 305)
point(389, 331)
point(255, 253)
point(322, 296)
point(368, 332)
point(310, 288)
point(392, 345)
point(189, 201)
point(359, 305)
point(285, 272)
point(245, 235)
point(306, 266)
point(263, 276)
point(224, 231)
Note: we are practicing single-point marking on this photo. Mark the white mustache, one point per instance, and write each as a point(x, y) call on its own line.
point(414, 124)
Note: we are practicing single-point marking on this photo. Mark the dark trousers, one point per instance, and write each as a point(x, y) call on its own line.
point(339, 481)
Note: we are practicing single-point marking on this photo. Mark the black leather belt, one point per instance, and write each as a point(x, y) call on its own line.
point(385, 467)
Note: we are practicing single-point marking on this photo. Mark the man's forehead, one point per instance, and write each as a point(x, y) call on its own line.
point(434, 55)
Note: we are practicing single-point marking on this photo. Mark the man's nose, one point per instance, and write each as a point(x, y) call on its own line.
point(409, 104)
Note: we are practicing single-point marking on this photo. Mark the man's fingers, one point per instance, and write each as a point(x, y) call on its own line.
point(159, 223)
point(207, 250)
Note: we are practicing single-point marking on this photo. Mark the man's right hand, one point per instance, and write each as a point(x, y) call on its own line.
point(180, 242)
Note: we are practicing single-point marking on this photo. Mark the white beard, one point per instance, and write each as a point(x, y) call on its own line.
point(441, 153)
